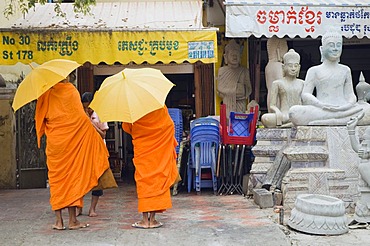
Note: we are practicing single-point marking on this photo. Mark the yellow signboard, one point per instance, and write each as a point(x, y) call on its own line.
point(108, 46)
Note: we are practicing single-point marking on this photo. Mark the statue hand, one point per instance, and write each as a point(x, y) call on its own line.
point(363, 154)
point(331, 108)
point(351, 124)
point(335, 108)
point(279, 118)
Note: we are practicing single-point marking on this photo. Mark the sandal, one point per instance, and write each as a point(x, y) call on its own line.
point(139, 225)
point(357, 225)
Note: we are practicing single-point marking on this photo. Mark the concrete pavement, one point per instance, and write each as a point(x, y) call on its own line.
point(204, 219)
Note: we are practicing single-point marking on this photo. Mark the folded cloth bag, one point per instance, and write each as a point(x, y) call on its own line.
point(106, 181)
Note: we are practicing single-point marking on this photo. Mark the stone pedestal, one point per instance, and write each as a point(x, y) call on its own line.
point(311, 180)
point(322, 162)
point(318, 214)
point(7, 140)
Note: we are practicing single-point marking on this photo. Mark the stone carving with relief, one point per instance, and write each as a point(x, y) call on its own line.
point(335, 100)
point(234, 86)
point(285, 92)
point(276, 48)
point(362, 209)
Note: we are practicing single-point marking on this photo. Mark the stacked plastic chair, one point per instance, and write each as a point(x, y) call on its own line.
point(176, 116)
point(204, 144)
point(239, 135)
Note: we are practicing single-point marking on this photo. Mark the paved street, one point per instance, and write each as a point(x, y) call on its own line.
point(204, 219)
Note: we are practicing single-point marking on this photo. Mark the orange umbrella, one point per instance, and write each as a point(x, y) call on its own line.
point(42, 78)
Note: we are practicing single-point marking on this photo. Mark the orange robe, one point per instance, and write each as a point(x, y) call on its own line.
point(76, 154)
point(153, 138)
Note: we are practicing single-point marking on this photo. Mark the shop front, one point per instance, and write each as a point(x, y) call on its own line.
point(301, 24)
point(119, 35)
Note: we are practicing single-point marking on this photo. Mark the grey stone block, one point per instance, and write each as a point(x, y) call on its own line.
point(263, 198)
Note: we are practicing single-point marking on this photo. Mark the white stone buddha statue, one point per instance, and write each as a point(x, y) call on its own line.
point(335, 100)
point(285, 92)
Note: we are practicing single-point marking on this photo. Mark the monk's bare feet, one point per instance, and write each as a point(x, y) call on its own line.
point(141, 224)
point(58, 227)
point(92, 214)
point(155, 224)
point(77, 225)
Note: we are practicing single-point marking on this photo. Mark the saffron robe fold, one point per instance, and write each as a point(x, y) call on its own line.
point(76, 153)
point(154, 142)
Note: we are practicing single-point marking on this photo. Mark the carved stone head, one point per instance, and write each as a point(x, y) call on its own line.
point(232, 53)
point(362, 88)
point(291, 63)
point(331, 48)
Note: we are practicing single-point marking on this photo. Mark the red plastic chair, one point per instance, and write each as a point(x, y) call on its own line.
point(227, 132)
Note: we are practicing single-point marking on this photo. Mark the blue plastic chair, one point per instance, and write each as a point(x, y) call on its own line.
point(204, 121)
point(202, 131)
point(176, 116)
point(204, 142)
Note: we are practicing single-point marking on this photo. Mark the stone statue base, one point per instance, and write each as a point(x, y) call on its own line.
point(318, 214)
point(322, 162)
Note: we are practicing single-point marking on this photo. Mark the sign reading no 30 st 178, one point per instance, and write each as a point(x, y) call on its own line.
point(21, 54)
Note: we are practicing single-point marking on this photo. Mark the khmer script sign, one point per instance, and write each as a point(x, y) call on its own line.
point(108, 46)
point(244, 20)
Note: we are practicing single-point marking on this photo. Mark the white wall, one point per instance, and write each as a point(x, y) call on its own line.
point(215, 15)
point(4, 22)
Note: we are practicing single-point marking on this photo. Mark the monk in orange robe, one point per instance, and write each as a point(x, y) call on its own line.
point(76, 154)
point(153, 138)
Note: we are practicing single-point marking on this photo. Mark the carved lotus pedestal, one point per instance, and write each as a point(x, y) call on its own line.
point(318, 214)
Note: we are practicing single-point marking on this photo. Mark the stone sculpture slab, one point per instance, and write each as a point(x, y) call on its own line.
point(362, 209)
point(276, 48)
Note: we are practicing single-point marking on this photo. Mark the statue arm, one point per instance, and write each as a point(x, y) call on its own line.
point(248, 86)
point(309, 85)
point(351, 125)
point(348, 89)
point(273, 103)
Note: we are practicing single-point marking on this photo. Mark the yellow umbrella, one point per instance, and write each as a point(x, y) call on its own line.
point(130, 94)
point(42, 78)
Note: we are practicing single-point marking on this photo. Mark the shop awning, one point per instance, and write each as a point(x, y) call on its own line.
point(122, 32)
point(302, 18)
